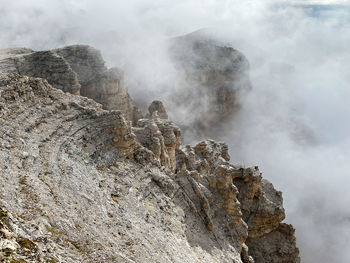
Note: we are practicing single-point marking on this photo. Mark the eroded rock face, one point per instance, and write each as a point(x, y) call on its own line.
point(86, 62)
point(269, 240)
point(157, 109)
point(214, 76)
point(276, 246)
point(44, 64)
point(233, 197)
point(77, 69)
point(161, 137)
point(80, 184)
point(106, 86)
point(109, 89)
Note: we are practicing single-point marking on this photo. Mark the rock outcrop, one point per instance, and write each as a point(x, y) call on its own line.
point(80, 184)
point(75, 69)
point(161, 137)
point(157, 108)
point(43, 64)
point(214, 77)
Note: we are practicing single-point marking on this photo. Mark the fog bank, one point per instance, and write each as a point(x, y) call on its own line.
point(293, 124)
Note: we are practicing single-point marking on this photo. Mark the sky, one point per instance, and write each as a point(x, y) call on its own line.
point(294, 123)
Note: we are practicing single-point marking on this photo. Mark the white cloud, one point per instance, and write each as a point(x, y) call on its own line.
point(317, 2)
point(285, 107)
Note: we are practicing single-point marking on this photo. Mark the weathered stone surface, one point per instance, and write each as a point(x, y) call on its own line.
point(206, 177)
point(269, 240)
point(86, 61)
point(276, 246)
point(80, 184)
point(109, 89)
point(249, 205)
point(261, 204)
point(77, 69)
point(50, 66)
point(161, 137)
point(106, 86)
point(214, 75)
point(157, 108)
point(44, 64)
point(72, 189)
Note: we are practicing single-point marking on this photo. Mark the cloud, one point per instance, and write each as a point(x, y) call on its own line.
point(294, 124)
point(317, 2)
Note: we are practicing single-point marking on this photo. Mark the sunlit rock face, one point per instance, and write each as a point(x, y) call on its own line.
point(214, 76)
point(81, 183)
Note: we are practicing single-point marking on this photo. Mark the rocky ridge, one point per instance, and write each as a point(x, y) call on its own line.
point(83, 184)
point(75, 69)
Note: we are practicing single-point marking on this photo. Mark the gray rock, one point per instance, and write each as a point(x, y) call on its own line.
point(108, 88)
point(44, 64)
point(50, 66)
point(86, 186)
point(276, 246)
point(77, 69)
point(86, 62)
point(214, 76)
point(158, 107)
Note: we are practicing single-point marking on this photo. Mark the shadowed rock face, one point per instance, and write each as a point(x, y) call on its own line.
point(77, 69)
point(214, 77)
point(80, 184)
point(157, 108)
point(44, 64)
point(86, 62)
point(106, 86)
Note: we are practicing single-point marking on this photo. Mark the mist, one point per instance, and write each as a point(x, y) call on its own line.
point(294, 123)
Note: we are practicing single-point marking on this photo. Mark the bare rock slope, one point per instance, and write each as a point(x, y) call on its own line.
point(80, 183)
point(76, 69)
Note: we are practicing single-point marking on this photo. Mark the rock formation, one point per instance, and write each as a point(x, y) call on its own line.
point(214, 77)
point(80, 183)
point(157, 107)
point(76, 69)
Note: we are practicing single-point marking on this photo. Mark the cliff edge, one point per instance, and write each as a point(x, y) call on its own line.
point(83, 183)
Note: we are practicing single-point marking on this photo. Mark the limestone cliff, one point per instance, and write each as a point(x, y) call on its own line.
point(214, 76)
point(76, 69)
point(80, 183)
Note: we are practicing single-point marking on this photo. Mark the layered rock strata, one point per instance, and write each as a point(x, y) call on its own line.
point(80, 184)
point(212, 78)
point(75, 69)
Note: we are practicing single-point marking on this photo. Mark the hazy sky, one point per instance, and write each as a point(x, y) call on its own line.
point(295, 122)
